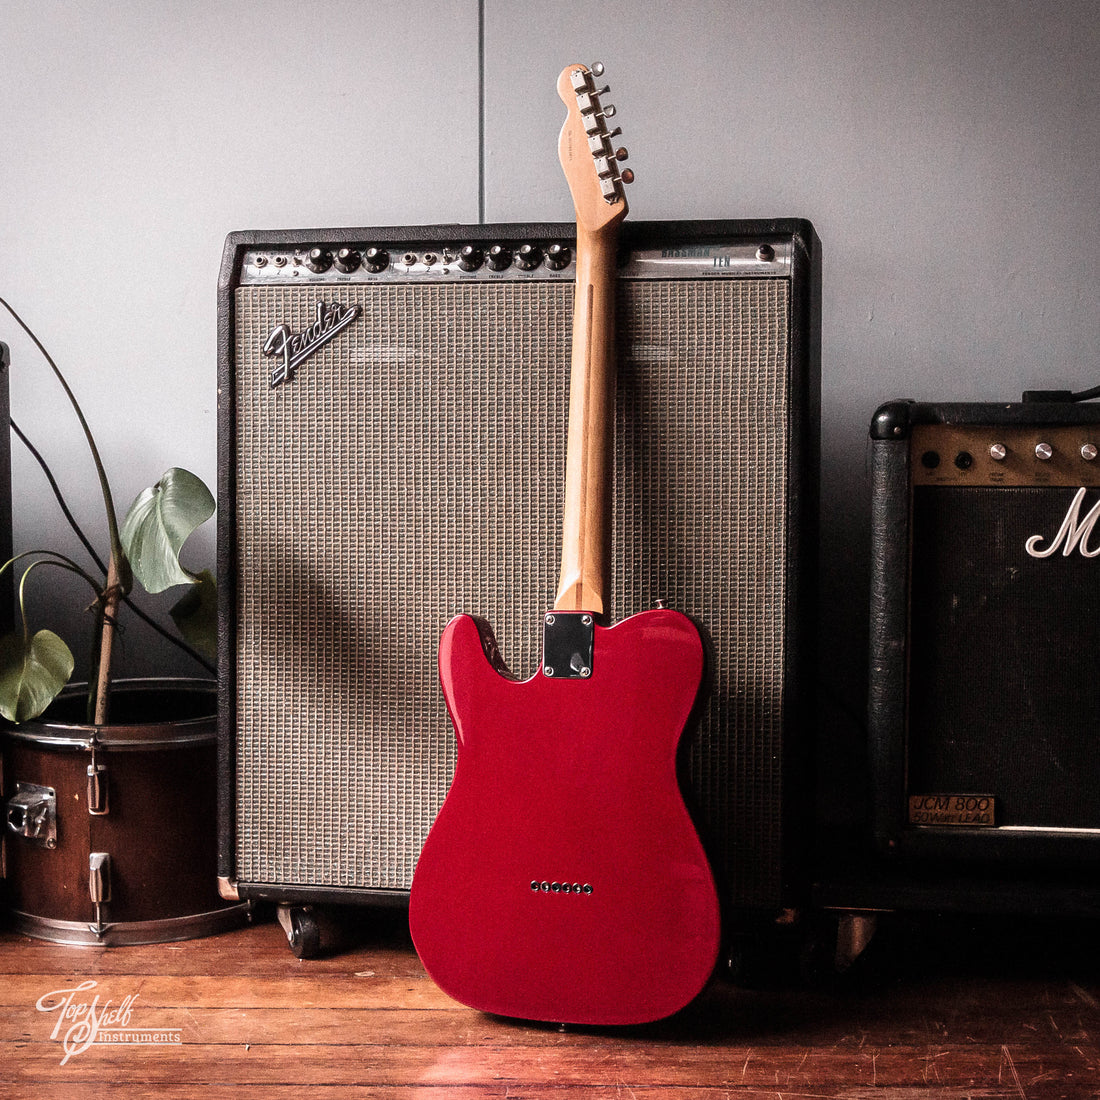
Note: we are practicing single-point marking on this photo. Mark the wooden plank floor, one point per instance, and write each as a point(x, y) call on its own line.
point(932, 1010)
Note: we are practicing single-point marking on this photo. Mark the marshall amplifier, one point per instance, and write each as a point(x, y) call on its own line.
point(985, 636)
point(392, 452)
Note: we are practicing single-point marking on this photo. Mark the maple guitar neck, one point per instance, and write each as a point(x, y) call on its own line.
point(586, 523)
point(591, 168)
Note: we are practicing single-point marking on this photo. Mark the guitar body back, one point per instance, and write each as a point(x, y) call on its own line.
point(563, 879)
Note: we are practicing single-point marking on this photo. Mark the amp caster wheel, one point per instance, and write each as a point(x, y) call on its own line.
point(303, 931)
point(835, 946)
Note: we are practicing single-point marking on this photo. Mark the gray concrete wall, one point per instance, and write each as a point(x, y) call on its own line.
point(946, 150)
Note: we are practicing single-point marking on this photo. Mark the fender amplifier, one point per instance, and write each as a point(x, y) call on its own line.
point(392, 443)
point(985, 628)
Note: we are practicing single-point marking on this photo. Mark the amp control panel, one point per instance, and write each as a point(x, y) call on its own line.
point(481, 258)
point(365, 262)
point(1001, 454)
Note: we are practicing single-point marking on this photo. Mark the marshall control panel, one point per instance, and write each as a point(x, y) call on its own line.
point(1016, 455)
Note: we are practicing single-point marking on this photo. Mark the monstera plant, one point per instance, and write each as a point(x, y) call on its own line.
point(145, 548)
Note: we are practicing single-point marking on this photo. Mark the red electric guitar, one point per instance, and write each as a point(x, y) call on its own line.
point(563, 879)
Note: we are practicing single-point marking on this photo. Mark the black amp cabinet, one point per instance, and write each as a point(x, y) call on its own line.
point(392, 427)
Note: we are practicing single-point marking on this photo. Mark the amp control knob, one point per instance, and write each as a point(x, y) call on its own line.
point(500, 257)
point(558, 256)
point(529, 256)
point(471, 258)
point(998, 452)
point(376, 259)
point(348, 260)
point(1044, 451)
point(1089, 452)
point(319, 260)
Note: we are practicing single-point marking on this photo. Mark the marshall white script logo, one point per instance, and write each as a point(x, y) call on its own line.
point(293, 349)
point(1073, 534)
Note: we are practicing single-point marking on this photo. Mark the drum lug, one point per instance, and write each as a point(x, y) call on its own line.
point(32, 814)
point(99, 887)
point(97, 789)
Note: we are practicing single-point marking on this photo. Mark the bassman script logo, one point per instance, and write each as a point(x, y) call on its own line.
point(293, 349)
point(1074, 534)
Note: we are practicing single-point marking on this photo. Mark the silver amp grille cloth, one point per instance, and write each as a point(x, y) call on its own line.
point(413, 470)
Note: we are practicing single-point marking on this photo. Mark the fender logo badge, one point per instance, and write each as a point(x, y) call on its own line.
point(293, 349)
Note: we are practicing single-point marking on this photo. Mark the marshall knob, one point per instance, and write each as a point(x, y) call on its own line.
point(1044, 451)
point(1089, 452)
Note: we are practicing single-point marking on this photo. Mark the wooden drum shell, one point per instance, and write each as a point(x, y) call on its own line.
point(159, 832)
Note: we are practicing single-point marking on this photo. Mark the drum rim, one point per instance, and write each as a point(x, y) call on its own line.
point(186, 926)
point(171, 732)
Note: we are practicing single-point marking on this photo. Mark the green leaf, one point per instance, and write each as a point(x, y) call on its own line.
point(32, 671)
point(196, 615)
point(157, 525)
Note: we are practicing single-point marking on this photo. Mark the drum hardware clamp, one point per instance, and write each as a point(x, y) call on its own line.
point(99, 888)
point(98, 802)
point(32, 814)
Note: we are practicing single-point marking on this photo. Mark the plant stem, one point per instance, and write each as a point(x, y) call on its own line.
point(55, 560)
point(66, 511)
point(105, 487)
point(118, 570)
point(52, 557)
point(111, 597)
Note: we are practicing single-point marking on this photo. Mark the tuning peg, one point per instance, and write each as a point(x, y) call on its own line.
point(621, 153)
point(597, 68)
point(588, 102)
point(594, 121)
point(611, 185)
point(599, 143)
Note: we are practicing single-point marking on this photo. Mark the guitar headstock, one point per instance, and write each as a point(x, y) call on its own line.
point(587, 152)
